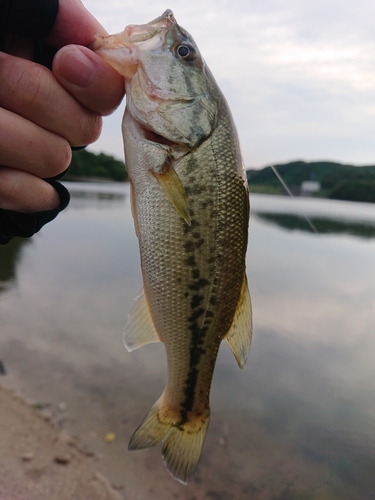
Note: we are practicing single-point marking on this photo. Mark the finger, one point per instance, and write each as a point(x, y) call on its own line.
point(18, 46)
point(32, 91)
point(23, 192)
point(28, 147)
point(74, 24)
point(92, 81)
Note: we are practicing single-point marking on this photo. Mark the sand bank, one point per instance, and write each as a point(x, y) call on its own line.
point(38, 461)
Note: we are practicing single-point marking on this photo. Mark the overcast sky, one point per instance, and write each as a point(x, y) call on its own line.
point(299, 75)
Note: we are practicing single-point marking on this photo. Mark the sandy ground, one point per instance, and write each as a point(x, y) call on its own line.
point(37, 461)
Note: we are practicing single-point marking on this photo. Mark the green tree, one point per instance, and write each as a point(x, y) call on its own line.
point(357, 190)
point(85, 164)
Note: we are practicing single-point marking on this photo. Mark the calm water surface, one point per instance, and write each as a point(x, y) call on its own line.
point(297, 423)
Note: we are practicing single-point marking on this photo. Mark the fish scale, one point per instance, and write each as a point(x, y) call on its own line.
point(191, 210)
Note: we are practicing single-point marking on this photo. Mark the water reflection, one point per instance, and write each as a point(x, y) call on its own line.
point(322, 225)
point(298, 423)
point(10, 256)
point(103, 196)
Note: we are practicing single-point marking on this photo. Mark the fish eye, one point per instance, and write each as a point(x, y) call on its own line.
point(186, 52)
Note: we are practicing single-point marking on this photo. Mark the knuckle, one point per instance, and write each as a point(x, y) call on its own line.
point(96, 128)
point(88, 131)
point(59, 158)
point(7, 184)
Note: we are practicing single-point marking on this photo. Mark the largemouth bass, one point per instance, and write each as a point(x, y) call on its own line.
point(191, 209)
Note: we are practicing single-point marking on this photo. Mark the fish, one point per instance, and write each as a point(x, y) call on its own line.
point(190, 204)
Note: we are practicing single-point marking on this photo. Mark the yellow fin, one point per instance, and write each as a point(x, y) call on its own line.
point(150, 432)
point(139, 329)
point(173, 188)
point(182, 442)
point(182, 450)
point(133, 206)
point(240, 332)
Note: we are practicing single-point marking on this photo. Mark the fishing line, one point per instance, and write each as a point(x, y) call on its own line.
point(291, 195)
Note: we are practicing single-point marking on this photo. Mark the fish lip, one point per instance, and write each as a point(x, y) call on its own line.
point(138, 33)
point(111, 42)
point(135, 37)
point(166, 19)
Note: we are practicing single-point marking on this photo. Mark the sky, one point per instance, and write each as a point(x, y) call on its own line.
point(299, 75)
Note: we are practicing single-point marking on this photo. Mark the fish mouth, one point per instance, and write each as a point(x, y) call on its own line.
point(138, 33)
point(122, 49)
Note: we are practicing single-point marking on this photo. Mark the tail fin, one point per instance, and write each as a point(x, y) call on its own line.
point(182, 442)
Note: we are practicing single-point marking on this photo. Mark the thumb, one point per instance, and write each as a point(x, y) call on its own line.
point(73, 24)
point(88, 78)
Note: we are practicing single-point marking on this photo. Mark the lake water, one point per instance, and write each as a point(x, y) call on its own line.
point(297, 423)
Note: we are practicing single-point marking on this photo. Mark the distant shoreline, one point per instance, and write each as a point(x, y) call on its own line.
point(77, 178)
point(331, 180)
point(318, 179)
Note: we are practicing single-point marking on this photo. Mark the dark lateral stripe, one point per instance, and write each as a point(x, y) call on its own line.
point(191, 383)
point(198, 312)
point(198, 336)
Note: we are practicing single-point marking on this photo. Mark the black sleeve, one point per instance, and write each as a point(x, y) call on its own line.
point(25, 225)
point(29, 18)
point(33, 19)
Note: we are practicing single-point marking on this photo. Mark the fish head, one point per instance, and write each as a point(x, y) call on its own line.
point(168, 85)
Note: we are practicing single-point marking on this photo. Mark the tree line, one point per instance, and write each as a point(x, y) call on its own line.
point(338, 181)
point(85, 165)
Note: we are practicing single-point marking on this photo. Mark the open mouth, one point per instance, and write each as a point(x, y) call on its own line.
point(152, 136)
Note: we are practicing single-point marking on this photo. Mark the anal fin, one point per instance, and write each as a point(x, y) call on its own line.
point(240, 332)
point(139, 329)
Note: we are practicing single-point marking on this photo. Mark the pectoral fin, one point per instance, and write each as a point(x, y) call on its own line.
point(240, 332)
point(139, 329)
point(173, 188)
point(133, 206)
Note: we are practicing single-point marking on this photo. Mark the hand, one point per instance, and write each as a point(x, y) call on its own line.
point(43, 113)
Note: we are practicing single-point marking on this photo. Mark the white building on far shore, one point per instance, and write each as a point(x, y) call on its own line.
point(308, 188)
